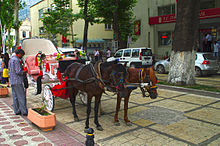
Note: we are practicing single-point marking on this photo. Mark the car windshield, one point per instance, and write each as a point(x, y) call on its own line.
point(146, 52)
point(209, 57)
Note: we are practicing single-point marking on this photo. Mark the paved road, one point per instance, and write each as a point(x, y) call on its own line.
point(174, 118)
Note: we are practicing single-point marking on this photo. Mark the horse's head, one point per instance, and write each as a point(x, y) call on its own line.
point(115, 74)
point(151, 79)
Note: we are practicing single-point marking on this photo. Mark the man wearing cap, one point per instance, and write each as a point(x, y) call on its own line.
point(16, 75)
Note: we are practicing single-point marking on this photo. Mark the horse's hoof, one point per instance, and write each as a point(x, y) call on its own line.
point(99, 128)
point(76, 119)
point(117, 124)
point(128, 123)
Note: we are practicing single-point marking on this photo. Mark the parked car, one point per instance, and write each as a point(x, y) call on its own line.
point(69, 52)
point(205, 64)
point(134, 57)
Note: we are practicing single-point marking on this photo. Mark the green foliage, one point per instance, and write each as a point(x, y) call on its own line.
point(91, 15)
point(59, 18)
point(7, 18)
point(106, 9)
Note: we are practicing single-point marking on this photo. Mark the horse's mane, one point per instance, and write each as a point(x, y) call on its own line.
point(117, 67)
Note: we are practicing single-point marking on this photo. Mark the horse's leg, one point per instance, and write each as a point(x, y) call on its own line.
point(116, 121)
point(96, 109)
point(89, 99)
point(126, 100)
point(72, 101)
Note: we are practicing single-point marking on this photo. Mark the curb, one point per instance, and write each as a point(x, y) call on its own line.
point(192, 91)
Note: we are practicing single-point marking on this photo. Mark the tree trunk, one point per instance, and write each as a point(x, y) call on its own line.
point(182, 61)
point(16, 22)
point(86, 26)
point(121, 43)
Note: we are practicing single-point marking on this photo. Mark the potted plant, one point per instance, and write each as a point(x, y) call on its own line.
point(3, 91)
point(44, 119)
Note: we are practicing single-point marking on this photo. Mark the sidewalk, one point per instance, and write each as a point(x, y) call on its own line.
point(18, 130)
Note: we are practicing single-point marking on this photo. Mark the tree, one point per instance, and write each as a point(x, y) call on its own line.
point(89, 15)
point(119, 13)
point(16, 21)
point(58, 19)
point(182, 61)
point(7, 10)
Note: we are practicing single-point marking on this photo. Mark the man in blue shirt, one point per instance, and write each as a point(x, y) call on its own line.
point(16, 75)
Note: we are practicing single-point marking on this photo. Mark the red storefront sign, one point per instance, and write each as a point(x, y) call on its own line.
point(137, 26)
point(204, 14)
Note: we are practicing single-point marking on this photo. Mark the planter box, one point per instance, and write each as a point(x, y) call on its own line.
point(4, 92)
point(45, 122)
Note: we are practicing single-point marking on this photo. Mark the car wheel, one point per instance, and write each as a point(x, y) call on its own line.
point(198, 72)
point(160, 69)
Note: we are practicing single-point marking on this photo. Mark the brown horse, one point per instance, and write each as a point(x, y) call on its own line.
point(140, 75)
point(92, 80)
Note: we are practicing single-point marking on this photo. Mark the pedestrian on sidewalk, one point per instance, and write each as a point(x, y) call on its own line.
point(216, 49)
point(5, 76)
point(16, 75)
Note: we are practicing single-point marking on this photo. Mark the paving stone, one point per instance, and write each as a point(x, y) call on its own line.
point(4, 123)
point(7, 127)
point(27, 129)
point(202, 100)
point(32, 133)
point(45, 144)
point(18, 121)
point(11, 131)
point(20, 142)
point(14, 117)
point(22, 125)
point(207, 114)
point(3, 119)
point(2, 140)
point(160, 115)
point(189, 130)
point(15, 136)
point(38, 139)
point(175, 105)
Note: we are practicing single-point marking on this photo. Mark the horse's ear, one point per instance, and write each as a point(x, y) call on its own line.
point(125, 64)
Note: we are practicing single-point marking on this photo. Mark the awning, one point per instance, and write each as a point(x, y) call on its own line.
point(91, 41)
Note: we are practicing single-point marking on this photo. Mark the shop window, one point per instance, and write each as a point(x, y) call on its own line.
point(135, 52)
point(108, 27)
point(24, 34)
point(166, 10)
point(127, 53)
point(41, 13)
point(207, 4)
point(165, 38)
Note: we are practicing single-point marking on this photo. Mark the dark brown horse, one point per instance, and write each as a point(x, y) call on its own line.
point(92, 80)
point(140, 75)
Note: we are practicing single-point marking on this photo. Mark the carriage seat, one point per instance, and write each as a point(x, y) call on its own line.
point(32, 68)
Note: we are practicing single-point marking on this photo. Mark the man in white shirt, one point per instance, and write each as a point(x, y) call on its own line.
point(96, 54)
point(108, 53)
point(209, 42)
point(216, 49)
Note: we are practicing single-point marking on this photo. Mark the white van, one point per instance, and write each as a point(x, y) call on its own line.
point(134, 57)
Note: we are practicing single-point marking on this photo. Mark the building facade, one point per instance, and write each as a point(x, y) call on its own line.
point(25, 29)
point(157, 21)
point(99, 35)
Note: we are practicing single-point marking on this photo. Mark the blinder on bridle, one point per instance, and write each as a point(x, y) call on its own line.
point(150, 86)
point(117, 76)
